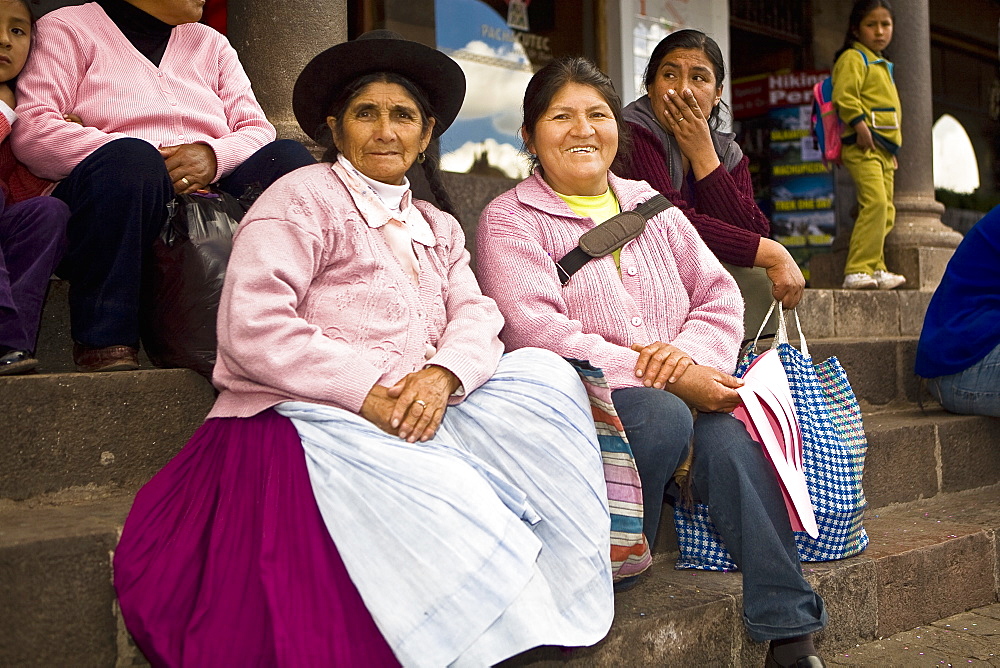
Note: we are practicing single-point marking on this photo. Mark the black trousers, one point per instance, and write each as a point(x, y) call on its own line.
point(118, 203)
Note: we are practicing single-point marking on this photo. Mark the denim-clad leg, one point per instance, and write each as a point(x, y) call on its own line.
point(32, 240)
point(266, 166)
point(117, 198)
point(975, 391)
point(732, 476)
point(659, 427)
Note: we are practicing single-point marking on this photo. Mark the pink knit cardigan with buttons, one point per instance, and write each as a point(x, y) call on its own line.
point(81, 63)
point(672, 288)
point(317, 308)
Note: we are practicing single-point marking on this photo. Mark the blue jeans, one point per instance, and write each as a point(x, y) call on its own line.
point(975, 391)
point(732, 476)
point(117, 198)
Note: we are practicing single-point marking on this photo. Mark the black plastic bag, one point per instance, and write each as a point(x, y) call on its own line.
point(182, 280)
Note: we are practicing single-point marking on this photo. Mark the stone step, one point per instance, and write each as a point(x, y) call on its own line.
point(880, 370)
point(968, 637)
point(913, 454)
point(927, 560)
point(828, 314)
point(118, 429)
point(824, 314)
point(110, 430)
point(55, 581)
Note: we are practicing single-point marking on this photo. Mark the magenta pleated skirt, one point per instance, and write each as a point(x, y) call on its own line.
point(225, 561)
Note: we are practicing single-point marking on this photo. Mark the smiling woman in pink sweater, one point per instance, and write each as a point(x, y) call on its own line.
point(662, 318)
point(165, 108)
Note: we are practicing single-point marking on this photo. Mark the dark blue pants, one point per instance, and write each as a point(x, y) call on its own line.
point(32, 239)
point(118, 197)
point(732, 476)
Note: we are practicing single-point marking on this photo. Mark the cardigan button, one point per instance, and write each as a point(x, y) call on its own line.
point(637, 321)
point(631, 271)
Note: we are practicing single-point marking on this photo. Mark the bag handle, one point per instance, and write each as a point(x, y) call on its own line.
point(782, 334)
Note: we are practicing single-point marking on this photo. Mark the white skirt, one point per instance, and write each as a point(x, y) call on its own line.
point(485, 541)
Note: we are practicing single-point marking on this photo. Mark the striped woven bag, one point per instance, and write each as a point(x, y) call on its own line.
point(833, 450)
point(630, 553)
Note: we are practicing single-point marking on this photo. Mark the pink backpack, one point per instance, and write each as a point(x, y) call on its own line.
point(827, 125)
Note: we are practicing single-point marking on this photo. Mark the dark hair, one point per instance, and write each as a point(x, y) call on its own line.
point(699, 41)
point(860, 10)
point(324, 136)
point(549, 80)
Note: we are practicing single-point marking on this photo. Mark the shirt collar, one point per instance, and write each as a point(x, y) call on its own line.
point(370, 197)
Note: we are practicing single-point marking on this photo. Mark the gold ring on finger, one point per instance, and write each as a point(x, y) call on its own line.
point(185, 181)
point(423, 404)
point(680, 118)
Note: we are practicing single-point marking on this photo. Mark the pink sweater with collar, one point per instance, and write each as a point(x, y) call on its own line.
point(672, 288)
point(317, 308)
point(81, 63)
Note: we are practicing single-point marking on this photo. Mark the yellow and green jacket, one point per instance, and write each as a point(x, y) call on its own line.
point(864, 89)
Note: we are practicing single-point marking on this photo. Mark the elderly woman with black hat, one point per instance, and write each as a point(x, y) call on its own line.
point(366, 420)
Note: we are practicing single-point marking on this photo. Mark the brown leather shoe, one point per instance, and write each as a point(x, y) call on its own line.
point(111, 358)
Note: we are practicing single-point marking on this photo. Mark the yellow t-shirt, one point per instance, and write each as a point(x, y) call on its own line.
point(597, 207)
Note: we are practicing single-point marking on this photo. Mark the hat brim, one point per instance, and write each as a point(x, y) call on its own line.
point(326, 75)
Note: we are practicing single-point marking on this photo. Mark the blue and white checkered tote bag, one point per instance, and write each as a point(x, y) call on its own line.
point(833, 448)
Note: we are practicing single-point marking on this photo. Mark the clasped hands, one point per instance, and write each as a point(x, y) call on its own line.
point(191, 166)
point(664, 366)
point(411, 409)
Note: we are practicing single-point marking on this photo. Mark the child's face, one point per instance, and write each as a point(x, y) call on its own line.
point(15, 38)
point(875, 31)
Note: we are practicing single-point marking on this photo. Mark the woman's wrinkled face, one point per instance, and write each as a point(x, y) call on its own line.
point(685, 68)
point(576, 140)
point(382, 132)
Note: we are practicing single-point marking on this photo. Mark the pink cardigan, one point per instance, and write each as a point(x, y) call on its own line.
point(317, 308)
point(82, 63)
point(671, 288)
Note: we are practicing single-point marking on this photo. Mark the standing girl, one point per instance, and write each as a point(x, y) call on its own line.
point(867, 101)
point(32, 228)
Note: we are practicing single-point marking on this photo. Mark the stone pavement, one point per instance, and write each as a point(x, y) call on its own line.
point(969, 638)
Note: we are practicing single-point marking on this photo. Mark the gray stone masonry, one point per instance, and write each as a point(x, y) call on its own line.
point(84, 443)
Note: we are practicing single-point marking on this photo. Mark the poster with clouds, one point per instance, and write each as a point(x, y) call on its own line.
point(485, 136)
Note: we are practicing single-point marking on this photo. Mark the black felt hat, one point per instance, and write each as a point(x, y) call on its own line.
point(326, 75)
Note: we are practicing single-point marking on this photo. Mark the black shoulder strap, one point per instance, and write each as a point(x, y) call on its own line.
point(574, 260)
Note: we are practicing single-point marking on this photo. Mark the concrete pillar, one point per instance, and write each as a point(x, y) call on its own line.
point(275, 39)
point(920, 245)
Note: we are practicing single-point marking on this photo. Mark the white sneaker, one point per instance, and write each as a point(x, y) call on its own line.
point(860, 282)
point(887, 280)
